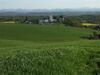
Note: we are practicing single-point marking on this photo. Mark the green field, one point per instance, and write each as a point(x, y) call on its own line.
point(47, 50)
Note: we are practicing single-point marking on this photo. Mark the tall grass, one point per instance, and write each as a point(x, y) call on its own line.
point(69, 61)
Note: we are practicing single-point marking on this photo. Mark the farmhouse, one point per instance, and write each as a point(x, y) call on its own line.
point(51, 19)
point(44, 21)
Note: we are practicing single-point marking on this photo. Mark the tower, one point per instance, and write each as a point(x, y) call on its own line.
point(51, 18)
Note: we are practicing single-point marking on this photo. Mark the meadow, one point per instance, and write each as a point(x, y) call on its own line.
point(47, 50)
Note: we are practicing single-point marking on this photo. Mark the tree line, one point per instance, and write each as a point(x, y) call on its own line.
point(68, 20)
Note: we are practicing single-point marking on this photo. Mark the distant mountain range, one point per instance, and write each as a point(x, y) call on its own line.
point(30, 12)
point(50, 10)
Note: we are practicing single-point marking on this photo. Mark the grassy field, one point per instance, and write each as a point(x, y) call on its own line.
point(47, 50)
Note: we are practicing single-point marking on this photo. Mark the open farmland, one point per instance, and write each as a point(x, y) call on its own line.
point(47, 50)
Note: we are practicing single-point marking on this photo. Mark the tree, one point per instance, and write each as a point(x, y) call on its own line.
point(71, 21)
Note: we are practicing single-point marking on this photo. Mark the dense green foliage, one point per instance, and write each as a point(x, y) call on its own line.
point(72, 21)
point(67, 20)
point(90, 18)
point(47, 50)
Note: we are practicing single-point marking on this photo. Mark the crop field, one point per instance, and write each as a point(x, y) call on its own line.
point(88, 24)
point(6, 22)
point(47, 50)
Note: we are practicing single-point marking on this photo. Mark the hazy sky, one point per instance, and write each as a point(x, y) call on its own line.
point(48, 4)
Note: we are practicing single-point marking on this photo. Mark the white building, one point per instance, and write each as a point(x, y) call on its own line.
point(50, 20)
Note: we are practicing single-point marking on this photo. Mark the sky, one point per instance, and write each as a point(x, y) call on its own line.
point(48, 4)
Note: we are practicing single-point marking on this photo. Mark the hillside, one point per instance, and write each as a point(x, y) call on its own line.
point(47, 50)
